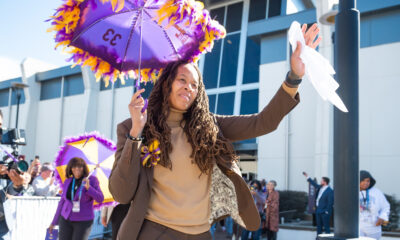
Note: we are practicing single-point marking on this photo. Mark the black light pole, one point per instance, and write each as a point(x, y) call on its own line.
point(18, 100)
point(18, 87)
point(346, 163)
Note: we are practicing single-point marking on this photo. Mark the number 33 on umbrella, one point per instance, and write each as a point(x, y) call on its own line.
point(110, 34)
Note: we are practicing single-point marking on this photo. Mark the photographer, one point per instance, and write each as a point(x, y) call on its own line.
point(15, 185)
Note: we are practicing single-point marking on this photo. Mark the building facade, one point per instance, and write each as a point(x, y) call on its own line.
point(241, 75)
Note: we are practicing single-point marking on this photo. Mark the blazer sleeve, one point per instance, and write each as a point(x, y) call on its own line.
point(242, 127)
point(94, 190)
point(313, 183)
point(124, 176)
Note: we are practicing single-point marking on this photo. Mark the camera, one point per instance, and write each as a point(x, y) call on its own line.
point(20, 166)
point(13, 136)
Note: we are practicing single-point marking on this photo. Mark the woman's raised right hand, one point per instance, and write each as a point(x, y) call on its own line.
point(138, 117)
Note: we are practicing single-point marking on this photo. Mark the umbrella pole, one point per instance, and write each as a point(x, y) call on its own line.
point(140, 59)
point(140, 51)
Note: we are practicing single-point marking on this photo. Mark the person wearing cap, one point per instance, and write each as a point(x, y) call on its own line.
point(374, 208)
point(44, 183)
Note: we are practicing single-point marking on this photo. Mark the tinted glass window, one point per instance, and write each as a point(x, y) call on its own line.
point(249, 105)
point(218, 14)
point(252, 61)
point(4, 93)
point(249, 102)
point(14, 97)
point(73, 85)
point(225, 103)
point(103, 85)
point(230, 60)
point(258, 9)
point(211, 100)
point(50, 89)
point(211, 66)
point(148, 87)
point(274, 8)
point(234, 18)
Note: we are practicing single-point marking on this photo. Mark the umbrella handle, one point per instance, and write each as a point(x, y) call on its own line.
point(90, 174)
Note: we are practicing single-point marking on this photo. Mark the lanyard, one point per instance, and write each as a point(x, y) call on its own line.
point(72, 190)
point(365, 199)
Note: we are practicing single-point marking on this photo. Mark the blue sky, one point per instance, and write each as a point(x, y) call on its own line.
point(23, 31)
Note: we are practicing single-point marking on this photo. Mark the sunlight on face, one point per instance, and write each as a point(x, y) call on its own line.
point(184, 88)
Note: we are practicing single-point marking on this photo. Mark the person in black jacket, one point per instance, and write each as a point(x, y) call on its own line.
point(324, 203)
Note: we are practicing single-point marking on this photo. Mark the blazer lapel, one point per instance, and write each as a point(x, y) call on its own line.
point(149, 173)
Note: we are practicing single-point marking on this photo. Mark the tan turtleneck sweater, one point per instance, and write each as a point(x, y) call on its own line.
point(180, 196)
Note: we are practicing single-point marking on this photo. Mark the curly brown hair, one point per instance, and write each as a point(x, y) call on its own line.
point(208, 144)
point(76, 162)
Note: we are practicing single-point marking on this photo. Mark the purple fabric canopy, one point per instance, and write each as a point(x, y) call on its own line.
point(115, 36)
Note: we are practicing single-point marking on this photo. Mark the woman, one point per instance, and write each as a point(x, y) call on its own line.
point(272, 211)
point(194, 179)
point(259, 199)
point(75, 212)
point(374, 207)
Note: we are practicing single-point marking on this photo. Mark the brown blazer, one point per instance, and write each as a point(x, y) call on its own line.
point(130, 182)
point(272, 213)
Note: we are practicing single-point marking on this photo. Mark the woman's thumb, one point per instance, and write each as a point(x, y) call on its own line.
point(298, 49)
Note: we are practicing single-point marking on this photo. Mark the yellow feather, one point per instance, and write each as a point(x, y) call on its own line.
point(113, 4)
point(120, 5)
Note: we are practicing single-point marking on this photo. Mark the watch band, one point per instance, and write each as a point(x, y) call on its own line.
point(136, 139)
point(292, 79)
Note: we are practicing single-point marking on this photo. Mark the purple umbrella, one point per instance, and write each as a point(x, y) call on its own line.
point(97, 152)
point(143, 36)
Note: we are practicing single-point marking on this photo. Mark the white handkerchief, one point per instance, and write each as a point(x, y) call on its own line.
point(318, 69)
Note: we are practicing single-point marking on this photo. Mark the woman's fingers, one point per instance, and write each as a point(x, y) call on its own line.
point(303, 29)
point(310, 34)
point(316, 43)
point(137, 94)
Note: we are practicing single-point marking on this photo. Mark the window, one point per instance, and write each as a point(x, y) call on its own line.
point(234, 18)
point(252, 61)
point(148, 87)
point(258, 10)
point(73, 85)
point(274, 8)
point(4, 93)
point(50, 89)
point(249, 105)
point(211, 101)
point(211, 66)
point(220, 67)
point(262, 9)
point(103, 85)
point(225, 103)
point(230, 60)
point(249, 102)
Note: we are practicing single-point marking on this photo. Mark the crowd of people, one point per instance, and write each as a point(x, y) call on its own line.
point(266, 199)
